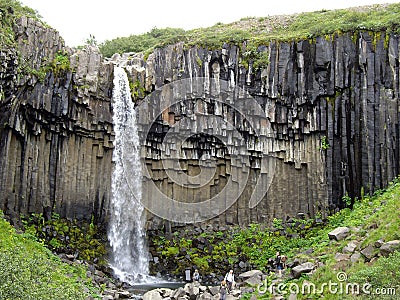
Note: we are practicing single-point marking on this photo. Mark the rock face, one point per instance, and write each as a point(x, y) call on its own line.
point(56, 131)
point(325, 125)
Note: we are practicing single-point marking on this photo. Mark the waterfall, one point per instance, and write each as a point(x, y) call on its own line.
point(126, 233)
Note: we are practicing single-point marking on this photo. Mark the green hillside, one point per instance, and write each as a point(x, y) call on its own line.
point(262, 30)
point(28, 270)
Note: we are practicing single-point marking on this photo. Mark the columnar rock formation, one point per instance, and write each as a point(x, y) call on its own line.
point(329, 122)
point(56, 131)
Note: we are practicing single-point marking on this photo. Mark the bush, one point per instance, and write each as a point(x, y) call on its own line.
point(384, 274)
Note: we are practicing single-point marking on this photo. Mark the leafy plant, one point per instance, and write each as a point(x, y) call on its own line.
point(324, 143)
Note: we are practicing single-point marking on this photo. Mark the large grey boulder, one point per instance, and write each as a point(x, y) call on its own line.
point(253, 277)
point(152, 295)
point(339, 233)
point(179, 292)
point(369, 252)
point(251, 273)
point(350, 247)
point(192, 290)
point(303, 268)
point(390, 247)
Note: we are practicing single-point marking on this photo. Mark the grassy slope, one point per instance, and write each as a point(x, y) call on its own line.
point(373, 218)
point(260, 31)
point(28, 270)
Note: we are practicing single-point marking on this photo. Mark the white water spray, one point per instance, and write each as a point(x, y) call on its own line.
point(126, 233)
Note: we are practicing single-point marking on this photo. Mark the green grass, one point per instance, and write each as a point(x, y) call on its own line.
point(28, 270)
point(260, 31)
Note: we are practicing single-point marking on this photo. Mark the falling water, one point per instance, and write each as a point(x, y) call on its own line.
point(126, 233)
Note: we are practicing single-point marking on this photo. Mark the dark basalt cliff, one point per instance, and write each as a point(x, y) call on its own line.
point(329, 123)
point(56, 133)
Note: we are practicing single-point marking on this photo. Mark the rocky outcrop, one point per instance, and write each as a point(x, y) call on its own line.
point(319, 122)
point(328, 122)
point(56, 127)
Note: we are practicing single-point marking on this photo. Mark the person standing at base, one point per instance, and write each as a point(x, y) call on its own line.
point(230, 280)
point(222, 290)
point(196, 276)
point(279, 263)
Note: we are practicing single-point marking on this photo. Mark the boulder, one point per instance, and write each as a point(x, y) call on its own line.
point(339, 233)
point(205, 296)
point(378, 243)
point(214, 290)
point(342, 257)
point(390, 247)
point(303, 268)
point(253, 277)
point(350, 248)
point(251, 273)
point(369, 252)
point(179, 292)
point(355, 257)
point(152, 295)
point(235, 293)
point(192, 290)
point(165, 293)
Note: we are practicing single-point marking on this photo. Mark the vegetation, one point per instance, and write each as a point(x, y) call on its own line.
point(10, 11)
point(142, 42)
point(371, 219)
point(28, 270)
point(68, 237)
point(259, 31)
